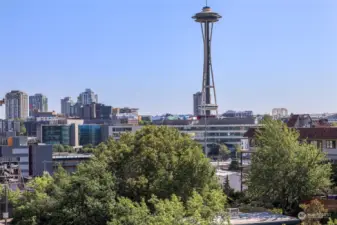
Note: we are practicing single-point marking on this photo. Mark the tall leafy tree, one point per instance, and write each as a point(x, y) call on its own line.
point(198, 210)
point(266, 118)
point(224, 152)
point(87, 198)
point(33, 207)
point(157, 161)
point(58, 148)
point(23, 130)
point(314, 212)
point(285, 170)
point(154, 177)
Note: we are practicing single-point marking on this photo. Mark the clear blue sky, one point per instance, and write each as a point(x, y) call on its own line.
point(148, 54)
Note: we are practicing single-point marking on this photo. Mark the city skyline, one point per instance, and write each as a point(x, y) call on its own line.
point(266, 54)
point(271, 112)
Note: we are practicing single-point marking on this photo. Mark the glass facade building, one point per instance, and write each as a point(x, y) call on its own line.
point(56, 135)
point(89, 134)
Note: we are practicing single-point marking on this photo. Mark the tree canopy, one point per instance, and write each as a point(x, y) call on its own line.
point(156, 176)
point(266, 118)
point(23, 130)
point(157, 161)
point(285, 170)
point(63, 148)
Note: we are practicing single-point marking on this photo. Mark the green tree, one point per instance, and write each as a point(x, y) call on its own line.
point(87, 198)
point(226, 187)
point(234, 165)
point(84, 198)
point(285, 170)
point(68, 148)
point(314, 212)
point(58, 148)
point(332, 221)
point(224, 152)
point(334, 124)
point(34, 205)
point(238, 151)
point(266, 118)
point(63, 148)
point(23, 130)
point(167, 180)
point(87, 149)
point(334, 174)
point(145, 123)
point(159, 161)
point(198, 210)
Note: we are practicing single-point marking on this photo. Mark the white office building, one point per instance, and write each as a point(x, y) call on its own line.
point(217, 131)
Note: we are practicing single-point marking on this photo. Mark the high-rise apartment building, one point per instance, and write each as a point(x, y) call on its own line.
point(87, 97)
point(279, 113)
point(197, 98)
point(66, 104)
point(16, 105)
point(38, 102)
point(93, 111)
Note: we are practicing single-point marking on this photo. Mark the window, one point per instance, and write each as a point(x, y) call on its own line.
point(330, 144)
point(20, 151)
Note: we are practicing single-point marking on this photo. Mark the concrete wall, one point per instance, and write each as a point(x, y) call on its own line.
point(74, 135)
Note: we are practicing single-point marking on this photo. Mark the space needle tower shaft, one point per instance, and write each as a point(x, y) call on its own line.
point(207, 18)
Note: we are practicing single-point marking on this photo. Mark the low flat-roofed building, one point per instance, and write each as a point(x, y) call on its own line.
point(263, 218)
point(228, 131)
point(69, 161)
point(324, 138)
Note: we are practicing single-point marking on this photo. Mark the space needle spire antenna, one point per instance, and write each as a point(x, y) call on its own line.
point(207, 18)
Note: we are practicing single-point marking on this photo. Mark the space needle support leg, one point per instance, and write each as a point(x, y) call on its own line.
point(213, 83)
point(203, 98)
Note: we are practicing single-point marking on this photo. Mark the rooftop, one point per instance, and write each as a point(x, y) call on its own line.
point(306, 133)
point(263, 218)
point(209, 121)
point(71, 156)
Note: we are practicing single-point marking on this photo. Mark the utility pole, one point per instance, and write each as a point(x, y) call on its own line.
point(5, 214)
point(241, 172)
point(205, 138)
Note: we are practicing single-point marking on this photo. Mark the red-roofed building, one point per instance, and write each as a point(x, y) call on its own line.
point(325, 138)
point(298, 121)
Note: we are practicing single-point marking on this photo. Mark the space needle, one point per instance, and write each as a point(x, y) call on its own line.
point(207, 18)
